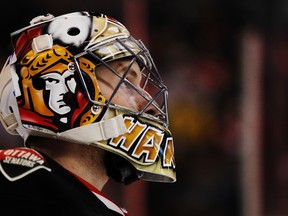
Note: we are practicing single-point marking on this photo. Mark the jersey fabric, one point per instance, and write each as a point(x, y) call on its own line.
point(33, 184)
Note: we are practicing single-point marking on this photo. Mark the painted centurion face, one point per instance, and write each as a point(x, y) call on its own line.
point(50, 90)
point(58, 86)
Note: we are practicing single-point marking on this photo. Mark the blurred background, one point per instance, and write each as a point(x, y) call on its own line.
point(225, 64)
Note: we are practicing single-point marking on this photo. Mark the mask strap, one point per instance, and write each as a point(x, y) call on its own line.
point(103, 130)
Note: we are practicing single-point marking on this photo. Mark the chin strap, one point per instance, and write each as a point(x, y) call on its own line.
point(97, 131)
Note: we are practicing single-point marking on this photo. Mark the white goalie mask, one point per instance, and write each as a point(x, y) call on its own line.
point(82, 77)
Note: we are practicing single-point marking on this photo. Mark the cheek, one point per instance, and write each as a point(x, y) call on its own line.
point(105, 90)
point(125, 97)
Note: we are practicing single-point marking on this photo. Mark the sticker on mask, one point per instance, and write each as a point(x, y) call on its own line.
point(19, 162)
point(145, 143)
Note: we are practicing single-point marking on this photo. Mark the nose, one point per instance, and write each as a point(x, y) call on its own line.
point(147, 105)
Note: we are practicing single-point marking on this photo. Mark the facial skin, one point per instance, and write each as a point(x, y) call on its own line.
point(125, 96)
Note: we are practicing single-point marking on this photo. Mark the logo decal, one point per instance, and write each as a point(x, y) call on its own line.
point(147, 142)
point(19, 162)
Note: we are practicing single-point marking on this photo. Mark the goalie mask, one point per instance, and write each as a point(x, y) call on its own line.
point(82, 77)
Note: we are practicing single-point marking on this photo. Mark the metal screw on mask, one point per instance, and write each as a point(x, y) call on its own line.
point(95, 109)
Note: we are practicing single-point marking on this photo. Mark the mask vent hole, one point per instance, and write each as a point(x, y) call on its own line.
point(73, 31)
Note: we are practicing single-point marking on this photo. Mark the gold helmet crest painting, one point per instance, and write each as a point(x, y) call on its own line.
point(52, 86)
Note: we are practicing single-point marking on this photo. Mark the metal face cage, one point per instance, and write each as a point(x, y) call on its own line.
point(151, 81)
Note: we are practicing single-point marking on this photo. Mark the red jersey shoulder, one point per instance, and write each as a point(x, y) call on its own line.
point(17, 163)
